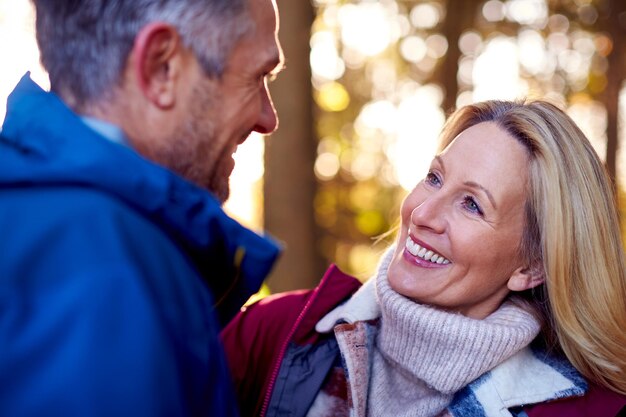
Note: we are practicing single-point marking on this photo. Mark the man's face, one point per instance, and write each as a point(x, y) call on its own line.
point(223, 112)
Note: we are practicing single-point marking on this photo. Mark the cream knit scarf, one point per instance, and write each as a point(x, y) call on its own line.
point(424, 355)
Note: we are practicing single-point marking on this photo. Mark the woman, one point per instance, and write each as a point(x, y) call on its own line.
point(505, 291)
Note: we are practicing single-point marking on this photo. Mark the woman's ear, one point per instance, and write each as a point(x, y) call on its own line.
point(525, 278)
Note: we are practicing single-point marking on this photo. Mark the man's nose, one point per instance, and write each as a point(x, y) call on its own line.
point(268, 120)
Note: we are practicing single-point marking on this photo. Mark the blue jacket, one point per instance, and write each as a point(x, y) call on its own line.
point(115, 275)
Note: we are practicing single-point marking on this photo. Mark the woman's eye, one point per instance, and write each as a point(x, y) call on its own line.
point(432, 179)
point(471, 205)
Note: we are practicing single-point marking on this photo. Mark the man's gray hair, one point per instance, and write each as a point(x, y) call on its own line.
point(85, 44)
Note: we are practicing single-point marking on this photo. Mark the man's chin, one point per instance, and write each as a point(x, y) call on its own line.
point(218, 182)
point(221, 191)
point(221, 183)
point(222, 196)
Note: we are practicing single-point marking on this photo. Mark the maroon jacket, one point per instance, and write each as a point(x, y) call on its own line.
point(273, 343)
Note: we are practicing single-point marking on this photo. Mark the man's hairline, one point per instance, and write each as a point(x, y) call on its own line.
point(239, 36)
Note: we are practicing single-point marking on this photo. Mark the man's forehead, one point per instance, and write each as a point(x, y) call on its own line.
point(265, 13)
point(264, 37)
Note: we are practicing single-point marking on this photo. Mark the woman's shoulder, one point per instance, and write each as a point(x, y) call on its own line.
point(537, 383)
point(276, 315)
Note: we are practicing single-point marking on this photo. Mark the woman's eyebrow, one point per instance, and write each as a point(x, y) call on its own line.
point(470, 184)
point(475, 185)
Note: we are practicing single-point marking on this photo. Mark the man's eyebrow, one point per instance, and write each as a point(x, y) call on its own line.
point(473, 184)
point(279, 67)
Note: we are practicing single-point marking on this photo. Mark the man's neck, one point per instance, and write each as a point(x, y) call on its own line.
point(109, 130)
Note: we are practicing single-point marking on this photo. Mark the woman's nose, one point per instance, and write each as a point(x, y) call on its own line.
point(430, 214)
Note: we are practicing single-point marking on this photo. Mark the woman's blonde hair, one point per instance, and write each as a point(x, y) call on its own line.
point(572, 233)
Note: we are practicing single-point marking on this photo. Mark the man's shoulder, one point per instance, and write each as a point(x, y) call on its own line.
point(68, 206)
point(73, 230)
point(88, 242)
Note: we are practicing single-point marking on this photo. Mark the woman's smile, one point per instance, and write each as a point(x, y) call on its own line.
point(423, 256)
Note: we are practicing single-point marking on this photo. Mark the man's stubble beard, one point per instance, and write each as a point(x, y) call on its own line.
point(192, 152)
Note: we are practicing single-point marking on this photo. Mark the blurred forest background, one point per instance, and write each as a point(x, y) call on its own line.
point(367, 88)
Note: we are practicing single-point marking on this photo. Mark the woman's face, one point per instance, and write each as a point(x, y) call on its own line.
point(462, 225)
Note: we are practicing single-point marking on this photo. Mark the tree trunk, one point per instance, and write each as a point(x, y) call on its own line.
point(616, 21)
point(290, 184)
point(459, 18)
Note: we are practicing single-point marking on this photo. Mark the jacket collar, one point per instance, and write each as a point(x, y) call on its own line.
point(46, 144)
point(334, 288)
point(529, 377)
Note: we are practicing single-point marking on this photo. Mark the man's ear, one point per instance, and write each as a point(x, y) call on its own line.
point(157, 59)
point(525, 278)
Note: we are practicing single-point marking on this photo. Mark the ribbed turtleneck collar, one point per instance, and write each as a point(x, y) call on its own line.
point(447, 350)
point(424, 354)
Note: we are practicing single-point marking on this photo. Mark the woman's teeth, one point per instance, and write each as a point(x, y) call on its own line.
point(425, 254)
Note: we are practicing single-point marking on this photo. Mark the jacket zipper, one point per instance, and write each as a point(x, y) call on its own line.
point(283, 349)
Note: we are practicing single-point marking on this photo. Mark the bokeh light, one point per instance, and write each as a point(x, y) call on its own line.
point(532, 52)
point(470, 42)
point(426, 15)
point(332, 96)
point(420, 119)
point(326, 64)
point(437, 45)
point(590, 115)
point(413, 48)
point(367, 27)
point(18, 48)
point(496, 71)
point(527, 12)
point(493, 10)
point(245, 202)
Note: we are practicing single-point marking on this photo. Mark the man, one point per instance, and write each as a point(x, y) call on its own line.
point(117, 267)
